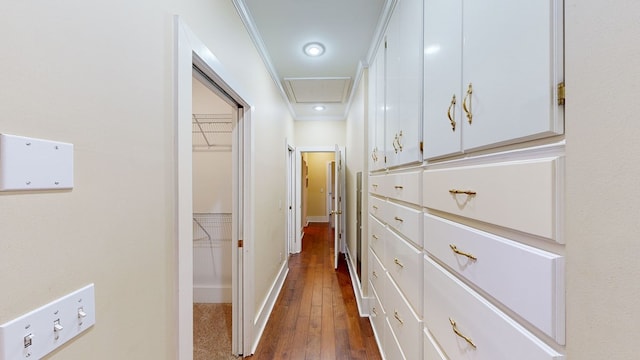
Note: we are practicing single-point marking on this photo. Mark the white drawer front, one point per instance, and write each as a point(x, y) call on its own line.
point(494, 334)
point(404, 187)
point(431, 349)
point(406, 325)
point(391, 347)
point(521, 195)
point(405, 220)
point(505, 269)
point(377, 184)
point(377, 232)
point(378, 208)
point(376, 276)
point(404, 263)
point(377, 318)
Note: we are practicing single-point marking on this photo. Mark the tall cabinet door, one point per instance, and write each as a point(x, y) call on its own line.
point(442, 78)
point(404, 83)
point(376, 112)
point(512, 64)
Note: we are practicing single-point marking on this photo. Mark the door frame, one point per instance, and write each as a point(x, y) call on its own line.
point(297, 246)
point(190, 52)
point(291, 198)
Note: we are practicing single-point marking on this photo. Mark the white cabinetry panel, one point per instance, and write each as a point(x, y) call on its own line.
point(512, 58)
point(520, 195)
point(505, 269)
point(453, 306)
point(503, 67)
point(443, 116)
point(405, 324)
point(376, 112)
point(404, 264)
point(404, 187)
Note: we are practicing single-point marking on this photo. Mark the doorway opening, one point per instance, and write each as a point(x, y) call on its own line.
point(212, 125)
point(194, 62)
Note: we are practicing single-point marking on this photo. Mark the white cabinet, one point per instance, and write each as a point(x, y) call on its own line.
point(377, 112)
point(395, 90)
point(511, 67)
point(467, 326)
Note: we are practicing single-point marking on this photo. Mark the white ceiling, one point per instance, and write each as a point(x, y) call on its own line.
point(347, 28)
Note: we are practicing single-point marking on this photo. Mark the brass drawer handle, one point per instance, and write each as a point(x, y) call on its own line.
point(375, 185)
point(457, 332)
point(455, 250)
point(398, 219)
point(452, 117)
point(375, 207)
point(397, 316)
point(375, 236)
point(399, 187)
point(467, 109)
point(375, 274)
point(374, 311)
point(397, 262)
point(456, 191)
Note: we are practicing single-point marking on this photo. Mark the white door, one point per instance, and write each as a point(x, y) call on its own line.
point(512, 63)
point(337, 206)
point(442, 78)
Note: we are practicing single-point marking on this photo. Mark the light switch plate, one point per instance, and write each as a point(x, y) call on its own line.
point(34, 164)
point(34, 335)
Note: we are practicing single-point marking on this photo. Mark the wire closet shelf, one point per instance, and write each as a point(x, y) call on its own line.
point(212, 132)
point(211, 228)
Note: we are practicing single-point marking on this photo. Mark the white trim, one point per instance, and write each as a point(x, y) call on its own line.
point(254, 34)
point(317, 219)
point(357, 288)
point(262, 316)
point(189, 50)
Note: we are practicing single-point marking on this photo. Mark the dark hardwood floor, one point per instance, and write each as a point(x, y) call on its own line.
point(316, 315)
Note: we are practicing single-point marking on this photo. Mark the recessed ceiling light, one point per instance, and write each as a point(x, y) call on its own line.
point(314, 49)
point(319, 107)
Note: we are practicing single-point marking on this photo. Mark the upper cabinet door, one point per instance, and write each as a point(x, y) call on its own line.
point(404, 83)
point(376, 112)
point(512, 65)
point(442, 78)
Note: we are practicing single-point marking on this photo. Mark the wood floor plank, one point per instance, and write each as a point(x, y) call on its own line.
point(316, 315)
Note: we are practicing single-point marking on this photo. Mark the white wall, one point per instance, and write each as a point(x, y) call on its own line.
point(356, 161)
point(602, 210)
point(100, 75)
point(320, 133)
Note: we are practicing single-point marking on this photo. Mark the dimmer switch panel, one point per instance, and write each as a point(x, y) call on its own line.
point(35, 334)
point(34, 164)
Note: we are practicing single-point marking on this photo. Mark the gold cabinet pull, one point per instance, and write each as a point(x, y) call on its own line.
point(397, 316)
point(457, 332)
point(374, 311)
point(455, 250)
point(375, 186)
point(399, 187)
point(374, 154)
point(452, 117)
point(397, 145)
point(397, 262)
point(374, 207)
point(398, 219)
point(467, 109)
point(375, 237)
point(374, 274)
point(468, 192)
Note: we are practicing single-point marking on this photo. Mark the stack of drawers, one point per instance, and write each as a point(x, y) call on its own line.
point(396, 263)
point(488, 296)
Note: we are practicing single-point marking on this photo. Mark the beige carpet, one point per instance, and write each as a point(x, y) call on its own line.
point(212, 332)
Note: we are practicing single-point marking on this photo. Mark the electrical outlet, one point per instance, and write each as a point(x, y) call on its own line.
point(39, 332)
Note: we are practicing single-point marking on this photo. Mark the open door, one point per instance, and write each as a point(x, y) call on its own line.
point(337, 206)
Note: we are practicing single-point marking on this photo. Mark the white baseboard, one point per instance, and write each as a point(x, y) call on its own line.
point(212, 294)
point(260, 320)
point(363, 308)
point(322, 219)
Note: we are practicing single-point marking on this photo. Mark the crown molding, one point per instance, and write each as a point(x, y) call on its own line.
point(247, 20)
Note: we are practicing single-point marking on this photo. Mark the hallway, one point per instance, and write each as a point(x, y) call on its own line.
point(316, 315)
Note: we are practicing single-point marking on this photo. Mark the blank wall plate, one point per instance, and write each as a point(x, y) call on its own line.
point(34, 164)
point(43, 330)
